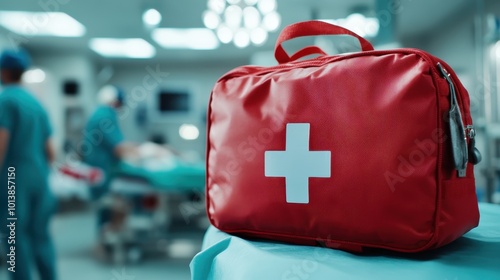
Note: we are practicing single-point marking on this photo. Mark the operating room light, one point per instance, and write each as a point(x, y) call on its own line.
point(185, 38)
point(127, 48)
point(242, 22)
point(251, 17)
point(189, 132)
point(272, 21)
point(42, 24)
point(266, 6)
point(217, 6)
point(258, 36)
point(233, 16)
point(241, 38)
point(211, 19)
point(359, 24)
point(224, 34)
point(151, 17)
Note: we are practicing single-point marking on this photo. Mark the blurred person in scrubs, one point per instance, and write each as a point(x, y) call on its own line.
point(26, 154)
point(104, 145)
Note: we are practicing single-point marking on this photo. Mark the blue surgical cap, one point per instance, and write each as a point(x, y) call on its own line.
point(15, 60)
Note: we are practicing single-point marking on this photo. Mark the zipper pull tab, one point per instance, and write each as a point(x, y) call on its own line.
point(457, 128)
point(474, 153)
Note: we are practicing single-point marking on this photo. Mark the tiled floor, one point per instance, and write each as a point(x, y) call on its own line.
point(74, 235)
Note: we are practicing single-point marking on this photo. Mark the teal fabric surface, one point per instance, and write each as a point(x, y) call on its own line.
point(474, 256)
point(176, 176)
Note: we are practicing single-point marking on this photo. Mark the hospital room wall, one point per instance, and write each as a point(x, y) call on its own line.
point(48, 91)
point(459, 42)
point(3, 42)
point(454, 42)
point(462, 42)
point(197, 79)
point(60, 68)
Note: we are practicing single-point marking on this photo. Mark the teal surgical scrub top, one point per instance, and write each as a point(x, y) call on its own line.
point(29, 129)
point(100, 137)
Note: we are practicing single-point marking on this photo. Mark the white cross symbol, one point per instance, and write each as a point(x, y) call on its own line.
point(297, 163)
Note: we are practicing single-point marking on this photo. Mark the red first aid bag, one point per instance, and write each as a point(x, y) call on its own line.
point(368, 149)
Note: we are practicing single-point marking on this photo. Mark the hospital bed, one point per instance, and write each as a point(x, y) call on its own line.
point(170, 174)
point(476, 255)
point(146, 194)
point(143, 200)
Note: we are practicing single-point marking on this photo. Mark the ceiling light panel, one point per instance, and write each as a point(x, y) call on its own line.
point(186, 38)
point(126, 48)
point(42, 24)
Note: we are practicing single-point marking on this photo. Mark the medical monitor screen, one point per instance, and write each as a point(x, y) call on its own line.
point(173, 101)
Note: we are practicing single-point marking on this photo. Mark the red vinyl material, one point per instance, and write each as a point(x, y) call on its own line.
point(382, 117)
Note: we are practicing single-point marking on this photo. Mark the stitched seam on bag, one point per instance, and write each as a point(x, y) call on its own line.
point(439, 165)
point(321, 61)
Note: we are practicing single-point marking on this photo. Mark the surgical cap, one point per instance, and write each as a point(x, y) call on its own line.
point(15, 60)
point(111, 93)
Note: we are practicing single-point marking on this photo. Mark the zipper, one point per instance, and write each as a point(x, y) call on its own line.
point(470, 131)
point(319, 61)
point(474, 154)
point(458, 131)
